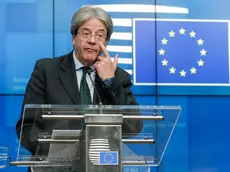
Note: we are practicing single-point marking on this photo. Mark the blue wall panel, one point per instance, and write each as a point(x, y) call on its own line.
point(209, 133)
point(26, 35)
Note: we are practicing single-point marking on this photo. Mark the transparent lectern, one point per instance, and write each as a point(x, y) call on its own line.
point(93, 138)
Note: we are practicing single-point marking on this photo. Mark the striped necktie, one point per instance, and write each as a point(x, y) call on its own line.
point(85, 95)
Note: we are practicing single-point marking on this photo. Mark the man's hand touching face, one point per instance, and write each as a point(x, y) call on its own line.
point(105, 67)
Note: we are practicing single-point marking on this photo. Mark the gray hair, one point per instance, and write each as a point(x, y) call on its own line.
point(86, 13)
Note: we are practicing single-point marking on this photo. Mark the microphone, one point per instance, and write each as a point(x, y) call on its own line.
point(89, 71)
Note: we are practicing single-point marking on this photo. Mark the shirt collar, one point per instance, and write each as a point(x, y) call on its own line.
point(78, 64)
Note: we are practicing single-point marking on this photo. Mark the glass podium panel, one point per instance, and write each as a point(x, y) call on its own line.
point(157, 131)
point(67, 137)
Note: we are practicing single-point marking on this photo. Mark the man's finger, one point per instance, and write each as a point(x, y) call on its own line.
point(115, 61)
point(106, 53)
point(100, 58)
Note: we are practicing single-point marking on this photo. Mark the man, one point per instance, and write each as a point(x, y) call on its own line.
point(59, 80)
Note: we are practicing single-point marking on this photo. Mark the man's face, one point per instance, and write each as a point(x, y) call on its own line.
point(86, 41)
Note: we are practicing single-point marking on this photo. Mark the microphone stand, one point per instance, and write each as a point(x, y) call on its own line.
point(95, 88)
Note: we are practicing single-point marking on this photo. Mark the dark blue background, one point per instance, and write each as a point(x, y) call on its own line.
point(32, 29)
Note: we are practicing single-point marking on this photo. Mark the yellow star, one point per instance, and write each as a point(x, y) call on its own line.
point(164, 41)
point(171, 34)
point(162, 52)
point(172, 70)
point(200, 63)
point(183, 73)
point(182, 31)
point(193, 70)
point(164, 62)
point(192, 34)
point(200, 41)
point(203, 52)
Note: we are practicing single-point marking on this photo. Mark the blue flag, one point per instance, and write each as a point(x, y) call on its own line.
point(181, 52)
point(108, 158)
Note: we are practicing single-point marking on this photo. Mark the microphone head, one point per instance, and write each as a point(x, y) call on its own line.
point(89, 71)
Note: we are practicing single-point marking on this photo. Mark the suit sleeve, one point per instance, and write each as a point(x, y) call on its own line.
point(121, 94)
point(29, 126)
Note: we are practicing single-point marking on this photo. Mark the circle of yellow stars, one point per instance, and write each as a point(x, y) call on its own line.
point(200, 43)
point(108, 156)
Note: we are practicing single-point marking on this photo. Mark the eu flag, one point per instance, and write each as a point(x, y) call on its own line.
point(181, 52)
point(108, 158)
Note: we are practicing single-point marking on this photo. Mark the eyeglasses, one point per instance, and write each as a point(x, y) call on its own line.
point(99, 36)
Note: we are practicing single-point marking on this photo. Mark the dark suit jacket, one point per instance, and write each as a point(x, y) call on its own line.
point(53, 81)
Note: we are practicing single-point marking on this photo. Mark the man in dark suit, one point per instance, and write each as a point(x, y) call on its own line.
point(58, 80)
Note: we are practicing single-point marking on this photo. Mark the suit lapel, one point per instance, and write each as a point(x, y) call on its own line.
point(68, 77)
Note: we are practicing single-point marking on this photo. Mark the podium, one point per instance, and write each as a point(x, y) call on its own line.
point(94, 138)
